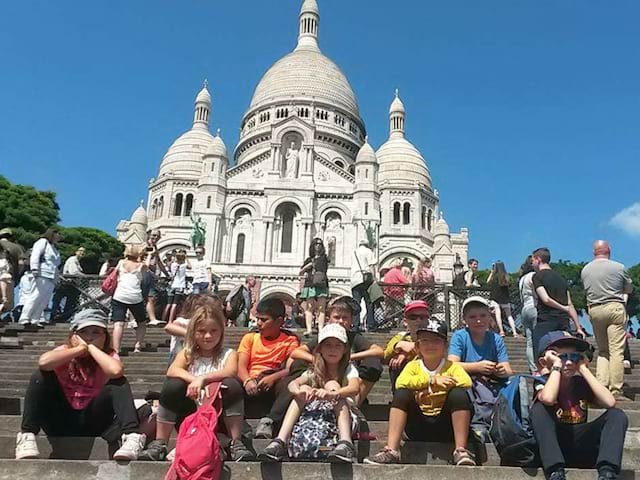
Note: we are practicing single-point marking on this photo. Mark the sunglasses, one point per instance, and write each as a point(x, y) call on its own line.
point(574, 357)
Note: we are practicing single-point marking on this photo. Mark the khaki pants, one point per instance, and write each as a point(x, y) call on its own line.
point(608, 322)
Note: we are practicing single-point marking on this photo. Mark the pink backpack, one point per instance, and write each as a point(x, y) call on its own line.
point(197, 448)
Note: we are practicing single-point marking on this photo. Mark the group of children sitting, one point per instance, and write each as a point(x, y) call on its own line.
point(308, 396)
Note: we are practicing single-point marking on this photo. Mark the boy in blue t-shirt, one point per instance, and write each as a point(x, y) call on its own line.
point(483, 356)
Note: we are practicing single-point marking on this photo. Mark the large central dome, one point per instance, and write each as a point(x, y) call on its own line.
point(306, 73)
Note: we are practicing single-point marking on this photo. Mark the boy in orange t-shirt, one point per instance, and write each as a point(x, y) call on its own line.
point(263, 364)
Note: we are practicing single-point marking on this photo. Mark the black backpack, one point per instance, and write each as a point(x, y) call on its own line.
point(236, 303)
point(510, 430)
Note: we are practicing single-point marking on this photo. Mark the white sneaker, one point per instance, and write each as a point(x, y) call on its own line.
point(26, 446)
point(626, 364)
point(171, 455)
point(156, 323)
point(132, 445)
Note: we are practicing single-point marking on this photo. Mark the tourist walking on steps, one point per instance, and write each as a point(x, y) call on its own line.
point(178, 286)
point(66, 290)
point(11, 255)
point(607, 285)
point(470, 276)
point(316, 285)
point(554, 300)
point(363, 265)
point(239, 302)
point(44, 263)
point(201, 270)
point(80, 390)
point(528, 313)
point(128, 297)
point(151, 290)
point(498, 282)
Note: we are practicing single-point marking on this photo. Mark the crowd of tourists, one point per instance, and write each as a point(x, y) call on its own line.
point(445, 385)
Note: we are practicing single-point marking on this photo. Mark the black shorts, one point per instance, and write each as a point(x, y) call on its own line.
point(176, 296)
point(119, 311)
point(369, 369)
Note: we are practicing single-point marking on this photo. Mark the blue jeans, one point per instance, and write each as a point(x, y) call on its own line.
point(200, 287)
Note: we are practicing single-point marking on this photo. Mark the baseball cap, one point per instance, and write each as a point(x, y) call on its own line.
point(560, 338)
point(332, 330)
point(416, 305)
point(433, 325)
point(474, 299)
point(6, 232)
point(90, 317)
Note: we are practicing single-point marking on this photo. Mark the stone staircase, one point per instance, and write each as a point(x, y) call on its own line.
point(81, 458)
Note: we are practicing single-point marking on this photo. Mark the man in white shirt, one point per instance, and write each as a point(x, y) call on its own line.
point(363, 264)
point(66, 290)
point(201, 271)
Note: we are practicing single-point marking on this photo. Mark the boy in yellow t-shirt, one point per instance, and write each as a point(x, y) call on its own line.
point(431, 401)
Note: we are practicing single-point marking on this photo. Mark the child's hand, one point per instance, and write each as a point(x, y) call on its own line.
point(251, 387)
point(443, 382)
point(77, 341)
point(501, 371)
point(486, 367)
point(323, 394)
point(404, 346)
point(397, 361)
point(306, 393)
point(266, 383)
point(194, 388)
point(551, 359)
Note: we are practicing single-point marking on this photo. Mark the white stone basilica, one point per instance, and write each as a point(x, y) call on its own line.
point(303, 168)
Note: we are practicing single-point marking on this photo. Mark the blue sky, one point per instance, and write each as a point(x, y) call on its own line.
point(526, 111)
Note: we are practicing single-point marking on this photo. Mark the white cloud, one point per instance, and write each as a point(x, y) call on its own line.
point(628, 219)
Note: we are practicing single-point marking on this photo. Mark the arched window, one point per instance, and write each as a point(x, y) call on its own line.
point(352, 170)
point(154, 209)
point(240, 248)
point(188, 205)
point(339, 164)
point(331, 250)
point(160, 207)
point(209, 201)
point(396, 213)
point(429, 215)
point(177, 206)
point(406, 214)
point(286, 243)
point(366, 208)
point(423, 218)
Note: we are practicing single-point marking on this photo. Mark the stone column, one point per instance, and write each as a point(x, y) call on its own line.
point(307, 240)
point(229, 240)
point(268, 240)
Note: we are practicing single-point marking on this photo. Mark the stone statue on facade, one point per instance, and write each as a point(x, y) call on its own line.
point(198, 231)
point(293, 160)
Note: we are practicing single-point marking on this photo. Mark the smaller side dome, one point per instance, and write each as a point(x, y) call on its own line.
point(139, 215)
point(396, 106)
point(441, 227)
point(310, 6)
point(204, 96)
point(217, 148)
point(366, 153)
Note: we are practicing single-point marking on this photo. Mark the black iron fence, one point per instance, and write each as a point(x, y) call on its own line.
point(445, 301)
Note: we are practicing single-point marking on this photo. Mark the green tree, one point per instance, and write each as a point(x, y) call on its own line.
point(633, 305)
point(571, 273)
point(99, 246)
point(29, 212)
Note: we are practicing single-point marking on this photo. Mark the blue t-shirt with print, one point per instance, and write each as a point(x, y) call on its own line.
point(492, 348)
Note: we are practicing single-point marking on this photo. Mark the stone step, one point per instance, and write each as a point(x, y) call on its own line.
point(10, 425)
point(420, 453)
point(101, 470)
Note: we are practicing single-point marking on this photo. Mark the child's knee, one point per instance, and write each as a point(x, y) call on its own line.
point(332, 385)
point(459, 399)
point(403, 399)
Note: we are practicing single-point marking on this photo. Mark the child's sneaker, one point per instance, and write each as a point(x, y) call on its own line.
point(384, 456)
point(276, 451)
point(26, 446)
point(156, 451)
point(132, 445)
point(239, 452)
point(264, 428)
point(171, 455)
point(558, 474)
point(344, 452)
point(463, 458)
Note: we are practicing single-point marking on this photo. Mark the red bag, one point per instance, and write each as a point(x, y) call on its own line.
point(110, 283)
point(197, 448)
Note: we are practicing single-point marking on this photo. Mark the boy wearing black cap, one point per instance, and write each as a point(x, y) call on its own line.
point(559, 413)
point(431, 401)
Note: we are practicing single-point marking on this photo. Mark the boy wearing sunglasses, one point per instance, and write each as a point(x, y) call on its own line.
point(559, 412)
